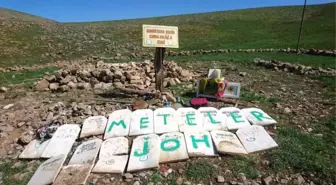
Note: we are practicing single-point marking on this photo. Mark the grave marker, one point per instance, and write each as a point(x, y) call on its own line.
point(113, 146)
point(86, 153)
point(118, 124)
point(258, 117)
point(173, 147)
point(112, 164)
point(34, 149)
point(62, 141)
point(212, 119)
point(227, 142)
point(255, 139)
point(94, 125)
point(199, 144)
point(142, 122)
point(166, 120)
point(190, 120)
point(235, 118)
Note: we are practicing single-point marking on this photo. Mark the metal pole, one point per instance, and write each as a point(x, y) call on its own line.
point(303, 11)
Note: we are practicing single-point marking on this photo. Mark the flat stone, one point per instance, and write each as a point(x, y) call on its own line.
point(34, 149)
point(86, 153)
point(258, 117)
point(145, 153)
point(113, 146)
point(255, 138)
point(118, 124)
point(112, 164)
point(199, 144)
point(73, 174)
point(166, 120)
point(235, 118)
point(142, 122)
point(62, 140)
point(227, 142)
point(191, 120)
point(212, 119)
point(94, 125)
point(8, 106)
point(47, 171)
point(173, 147)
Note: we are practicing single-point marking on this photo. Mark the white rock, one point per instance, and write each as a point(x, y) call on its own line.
point(255, 139)
point(113, 146)
point(142, 122)
point(166, 120)
point(145, 153)
point(118, 123)
point(173, 147)
point(227, 142)
point(8, 106)
point(235, 118)
point(34, 149)
point(94, 125)
point(86, 153)
point(73, 174)
point(258, 117)
point(62, 141)
point(191, 120)
point(47, 171)
point(199, 144)
point(212, 119)
point(112, 164)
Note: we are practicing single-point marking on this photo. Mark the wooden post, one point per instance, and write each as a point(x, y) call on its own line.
point(158, 64)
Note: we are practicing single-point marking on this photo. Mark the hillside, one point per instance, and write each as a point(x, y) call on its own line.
point(27, 39)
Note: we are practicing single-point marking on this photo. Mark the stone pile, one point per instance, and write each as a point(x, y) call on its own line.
point(132, 75)
point(294, 68)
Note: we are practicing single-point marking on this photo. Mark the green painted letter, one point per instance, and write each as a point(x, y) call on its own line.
point(121, 122)
point(190, 117)
point(195, 141)
point(235, 116)
point(259, 115)
point(143, 122)
point(144, 150)
point(212, 120)
point(164, 118)
point(176, 145)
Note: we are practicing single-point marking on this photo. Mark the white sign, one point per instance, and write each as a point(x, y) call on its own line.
point(191, 120)
point(258, 117)
point(94, 125)
point(142, 122)
point(166, 120)
point(227, 142)
point(212, 119)
point(118, 124)
point(199, 144)
point(173, 147)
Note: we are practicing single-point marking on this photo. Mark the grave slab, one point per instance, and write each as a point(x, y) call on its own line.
point(142, 122)
point(212, 119)
point(191, 120)
point(86, 153)
point(199, 144)
point(113, 146)
point(118, 124)
point(76, 174)
point(62, 141)
point(145, 153)
point(235, 118)
point(112, 164)
point(227, 142)
point(258, 117)
point(166, 120)
point(173, 147)
point(47, 171)
point(94, 125)
point(34, 149)
point(255, 138)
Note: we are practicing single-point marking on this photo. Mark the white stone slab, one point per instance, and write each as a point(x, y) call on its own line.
point(112, 164)
point(76, 174)
point(166, 120)
point(212, 119)
point(145, 153)
point(258, 117)
point(47, 171)
point(173, 147)
point(118, 124)
point(235, 118)
point(191, 120)
point(86, 153)
point(34, 149)
point(227, 142)
point(62, 141)
point(255, 138)
point(142, 122)
point(199, 144)
point(94, 125)
point(113, 146)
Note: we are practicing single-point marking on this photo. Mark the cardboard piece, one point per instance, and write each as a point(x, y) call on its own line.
point(166, 120)
point(47, 171)
point(212, 119)
point(190, 120)
point(94, 125)
point(145, 153)
point(112, 164)
point(62, 141)
point(113, 146)
point(255, 138)
point(142, 122)
point(86, 153)
point(258, 117)
point(227, 142)
point(173, 147)
point(34, 149)
point(199, 144)
point(118, 124)
point(235, 118)
point(73, 174)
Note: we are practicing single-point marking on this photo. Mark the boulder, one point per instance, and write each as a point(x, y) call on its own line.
point(42, 85)
point(53, 86)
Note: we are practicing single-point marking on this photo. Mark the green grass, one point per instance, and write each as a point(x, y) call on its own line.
point(252, 96)
point(183, 92)
point(328, 86)
point(246, 165)
point(200, 171)
point(25, 77)
point(8, 172)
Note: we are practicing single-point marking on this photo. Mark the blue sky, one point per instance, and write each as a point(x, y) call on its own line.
point(98, 10)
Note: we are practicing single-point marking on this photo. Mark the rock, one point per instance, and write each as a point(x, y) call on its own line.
point(139, 82)
point(287, 110)
point(118, 84)
point(267, 180)
point(53, 86)
point(169, 97)
point(72, 85)
point(135, 77)
point(19, 125)
point(3, 89)
point(255, 183)
point(309, 129)
point(25, 138)
point(233, 182)
point(136, 183)
point(171, 82)
point(64, 88)
point(66, 80)
point(8, 106)
point(180, 171)
point(220, 178)
point(190, 86)
point(278, 105)
point(83, 86)
point(16, 165)
point(50, 117)
point(242, 73)
point(284, 181)
point(300, 180)
point(128, 176)
point(118, 74)
point(42, 85)
point(242, 176)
